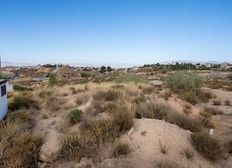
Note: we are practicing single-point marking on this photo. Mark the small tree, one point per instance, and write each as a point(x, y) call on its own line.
point(103, 69)
point(52, 80)
point(109, 69)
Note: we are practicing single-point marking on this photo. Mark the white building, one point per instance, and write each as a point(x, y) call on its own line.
point(3, 99)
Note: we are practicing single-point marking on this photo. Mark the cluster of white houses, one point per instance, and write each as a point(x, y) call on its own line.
point(3, 99)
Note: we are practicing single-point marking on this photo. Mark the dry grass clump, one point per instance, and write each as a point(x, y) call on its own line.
point(187, 111)
point(72, 147)
point(167, 95)
point(207, 145)
point(207, 112)
point(147, 89)
point(206, 122)
point(23, 151)
point(123, 117)
point(121, 149)
point(82, 98)
point(188, 153)
point(160, 111)
point(217, 102)
point(228, 103)
point(18, 147)
point(185, 122)
point(75, 116)
point(54, 103)
point(228, 146)
point(108, 95)
point(22, 101)
point(18, 87)
point(152, 109)
point(45, 93)
point(139, 99)
point(167, 164)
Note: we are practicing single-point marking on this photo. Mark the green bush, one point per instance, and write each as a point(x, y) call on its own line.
point(187, 85)
point(22, 102)
point(18, 87)
point(207, 145)
point(52, 81)
point(75, 116)
point(184, 81)
point(131, 78)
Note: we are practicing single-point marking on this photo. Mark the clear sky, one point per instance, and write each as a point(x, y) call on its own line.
point(115, 31)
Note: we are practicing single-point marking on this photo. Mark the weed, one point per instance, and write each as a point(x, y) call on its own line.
point(163, 148)
point(121, 149)
point(75, 116)
point(207, 145)
point(22, 102)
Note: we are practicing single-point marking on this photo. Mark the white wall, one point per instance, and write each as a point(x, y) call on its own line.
point(3, 104)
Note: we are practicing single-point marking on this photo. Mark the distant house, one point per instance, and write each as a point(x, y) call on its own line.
point(3, 99)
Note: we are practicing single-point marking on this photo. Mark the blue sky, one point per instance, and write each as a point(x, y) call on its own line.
point(115, 31)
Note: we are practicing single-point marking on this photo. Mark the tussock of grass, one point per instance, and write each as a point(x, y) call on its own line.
point(18, 87)
point(18, 147)
point(108, 95)
point(53, 103)
point(217, 102)
point(207, 112)
point(121, 149)
point(160, 111)
point(22, 101)
point(207, 145)
point(75, 116)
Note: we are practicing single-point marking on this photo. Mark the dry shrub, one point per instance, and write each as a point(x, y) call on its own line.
point(82, 98)
point(207, 145)
point(118, 86)
point(72, 147)
point(160, 111)
point(151, 109)
point(100, 131)
point(185, 122)
point(206, 122)
point(54, 104)
point(139, 99)
point(147, 89)
point(228, 146)
point(23, 152)
point(167, 95)
point(97, 107)
point(21, 101)
point(207, 112)
point(228, 103)
point(123, 117)
point(217, 102)
point(121, 149)
point(108, 95)
point(73, 90)
point(187, 111)
point(18, 147)
point(45, 93)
